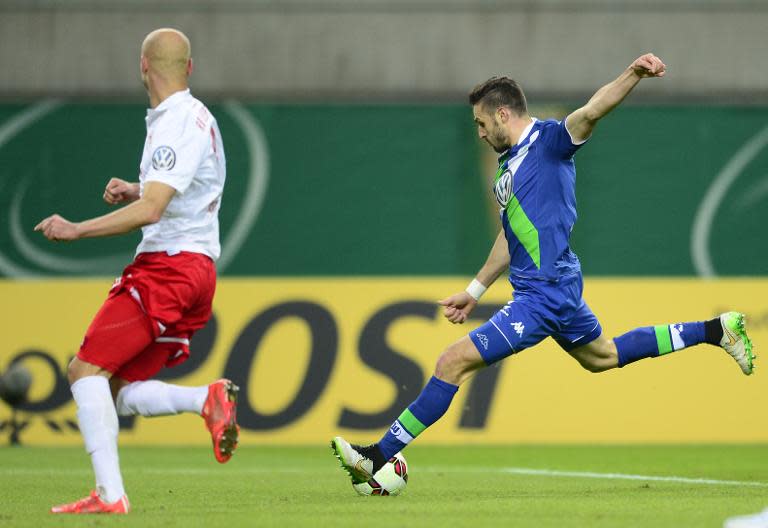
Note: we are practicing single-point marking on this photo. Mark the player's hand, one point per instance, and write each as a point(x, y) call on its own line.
point(118, 191)
point(648, 65)
point(58, 228)
point(457, 307)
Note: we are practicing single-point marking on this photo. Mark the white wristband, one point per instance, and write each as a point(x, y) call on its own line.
point(476, 289)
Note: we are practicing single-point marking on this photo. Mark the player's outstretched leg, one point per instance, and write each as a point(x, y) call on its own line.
point(726, 331)
point(156, 398)
point(216, 403)
point(453, 367)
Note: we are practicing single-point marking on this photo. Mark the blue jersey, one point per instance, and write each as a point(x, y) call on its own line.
point(535, 187)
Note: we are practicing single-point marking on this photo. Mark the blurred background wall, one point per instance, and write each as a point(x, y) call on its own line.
point(357, 195)
point(365, 49)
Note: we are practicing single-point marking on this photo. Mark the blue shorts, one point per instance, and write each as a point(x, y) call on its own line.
point(539, 310)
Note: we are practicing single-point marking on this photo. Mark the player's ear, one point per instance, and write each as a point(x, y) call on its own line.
point(190, 67)
point(502, 114)
point(144, 64)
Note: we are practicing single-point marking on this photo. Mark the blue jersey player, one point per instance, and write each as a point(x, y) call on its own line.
point(535, 189)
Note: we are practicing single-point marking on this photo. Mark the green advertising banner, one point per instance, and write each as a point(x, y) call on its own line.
point(396, 189)
point(675, 191)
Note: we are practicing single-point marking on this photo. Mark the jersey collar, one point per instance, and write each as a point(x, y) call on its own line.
point(514, 148)
point(169, 102)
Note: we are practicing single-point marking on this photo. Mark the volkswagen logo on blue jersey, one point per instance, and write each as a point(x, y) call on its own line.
point(164, 158)
point(503, 188)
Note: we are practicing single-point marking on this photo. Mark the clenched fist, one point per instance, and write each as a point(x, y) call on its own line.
point(118, 191)
point(458, 306)
point(649, 65)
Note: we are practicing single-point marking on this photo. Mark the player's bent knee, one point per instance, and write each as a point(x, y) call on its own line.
point(116, 385)
point(457, 363)
point(446, 368)
point(78, 369)
point(73, 371)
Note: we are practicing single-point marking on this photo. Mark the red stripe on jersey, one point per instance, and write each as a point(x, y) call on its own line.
point(213, 140)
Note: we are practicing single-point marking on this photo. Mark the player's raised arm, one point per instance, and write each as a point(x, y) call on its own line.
point(146, 210)
point(457, 307)
point(581, 122)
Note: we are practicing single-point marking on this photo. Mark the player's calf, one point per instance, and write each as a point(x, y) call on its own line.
point(597, 356)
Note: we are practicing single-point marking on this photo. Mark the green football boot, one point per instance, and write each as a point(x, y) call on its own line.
point(353, 460)
point(736, 342)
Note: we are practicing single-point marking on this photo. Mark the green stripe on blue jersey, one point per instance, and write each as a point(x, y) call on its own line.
point(524, 230)
point(520, 224)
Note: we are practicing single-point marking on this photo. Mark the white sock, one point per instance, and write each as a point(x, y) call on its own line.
point(98, 425)
point(155, 398)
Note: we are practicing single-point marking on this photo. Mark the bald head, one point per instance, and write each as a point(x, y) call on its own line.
point(167, 52)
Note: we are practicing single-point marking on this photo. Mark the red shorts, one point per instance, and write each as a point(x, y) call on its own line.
point(150, 314)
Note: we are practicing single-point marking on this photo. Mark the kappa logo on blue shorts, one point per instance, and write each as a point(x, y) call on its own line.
point(164, 158)
point(483, 340)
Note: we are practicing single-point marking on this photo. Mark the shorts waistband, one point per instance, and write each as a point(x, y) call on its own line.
point(172, 253)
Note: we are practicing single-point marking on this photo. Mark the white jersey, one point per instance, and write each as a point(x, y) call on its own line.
point(183, 149)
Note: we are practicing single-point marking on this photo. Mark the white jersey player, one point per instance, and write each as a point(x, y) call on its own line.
point(166, 293)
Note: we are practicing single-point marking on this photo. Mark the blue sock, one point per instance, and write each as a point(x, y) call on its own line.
point(653, 341)
point(431, 404)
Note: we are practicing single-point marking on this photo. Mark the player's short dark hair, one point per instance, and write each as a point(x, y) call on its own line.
point(499, 91)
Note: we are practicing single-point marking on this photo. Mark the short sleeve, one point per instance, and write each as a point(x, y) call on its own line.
point(178, 149)
point(558, 140)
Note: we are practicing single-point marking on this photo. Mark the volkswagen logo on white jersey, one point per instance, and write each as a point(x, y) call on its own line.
point(164, 158)
point(503, 188)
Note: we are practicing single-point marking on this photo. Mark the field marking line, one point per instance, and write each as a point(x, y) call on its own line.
point(427, 469)
point(628, 476)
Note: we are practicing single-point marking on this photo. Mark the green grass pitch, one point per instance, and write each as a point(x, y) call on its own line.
point(449, 486)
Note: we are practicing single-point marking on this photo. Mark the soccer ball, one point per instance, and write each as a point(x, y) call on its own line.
point(389, 480)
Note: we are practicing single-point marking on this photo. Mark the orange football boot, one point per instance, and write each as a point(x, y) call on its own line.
point(94, 504)
point(220, 414)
